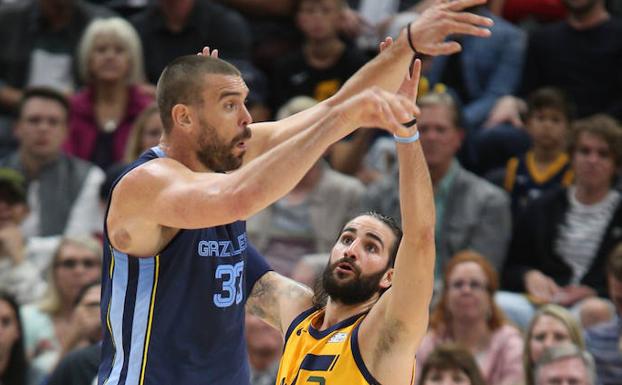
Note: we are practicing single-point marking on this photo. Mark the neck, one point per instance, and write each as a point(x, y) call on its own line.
point(335, 312)
point(180, 153)
point(589, 19)
point(323, 53)
point(32, 164)
point(438, 172)
point(56, 15)
point(111, 92)
point(472, 334)
point(545, 156)
point(590, 195)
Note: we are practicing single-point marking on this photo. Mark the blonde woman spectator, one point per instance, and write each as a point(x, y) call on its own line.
point(145, 133)
point(111, 65)
point(552, 325)
point(467, 315)
point(48, 325)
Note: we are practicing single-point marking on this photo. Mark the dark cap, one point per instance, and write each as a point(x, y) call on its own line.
point(12, 186)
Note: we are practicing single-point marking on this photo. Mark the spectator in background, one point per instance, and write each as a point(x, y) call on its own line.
point(529, 11)
point(264, 350)
point(19, 273)
point(79, 366)
point(39, 40)
point(450, 364)
point(604, 341)
point(562, 239)
point(14, 366)
point(305, 220)
point(50, 326)
point(172, 28)
point(102, 115)
point(552, 325)
point(484, 70)
point(471, 213)
point(546, 165)
point(579, 56)
point(565, 364)
point(466, 314)
point(145, 133)
point(323, 63)
point(62, 190)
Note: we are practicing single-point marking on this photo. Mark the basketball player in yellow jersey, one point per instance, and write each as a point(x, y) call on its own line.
point(376, 288)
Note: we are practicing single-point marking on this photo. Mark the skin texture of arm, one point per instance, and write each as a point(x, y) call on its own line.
point(390, 334)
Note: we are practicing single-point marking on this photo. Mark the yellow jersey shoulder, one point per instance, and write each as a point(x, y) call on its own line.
point(323, 357)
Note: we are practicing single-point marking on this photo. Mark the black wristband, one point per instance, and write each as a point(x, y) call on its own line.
point(410, 123)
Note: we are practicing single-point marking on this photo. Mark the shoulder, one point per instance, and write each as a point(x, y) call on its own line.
point(81, 103)
point(603, 331)
point(341, 181)
point(479, 188)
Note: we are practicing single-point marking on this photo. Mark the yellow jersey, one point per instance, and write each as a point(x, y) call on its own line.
point(326, 357)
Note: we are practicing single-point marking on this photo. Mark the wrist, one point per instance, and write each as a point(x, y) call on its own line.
point(407, 139)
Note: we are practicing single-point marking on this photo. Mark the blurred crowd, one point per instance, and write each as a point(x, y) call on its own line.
point(521, 132)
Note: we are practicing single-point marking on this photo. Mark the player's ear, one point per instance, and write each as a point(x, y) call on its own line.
point(387, 279)
point(181, 116)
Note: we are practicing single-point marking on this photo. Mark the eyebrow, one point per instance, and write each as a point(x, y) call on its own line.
point(371, 235)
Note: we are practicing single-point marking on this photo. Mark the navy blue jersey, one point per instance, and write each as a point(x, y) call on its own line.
point(525, 182)
point(178, 317)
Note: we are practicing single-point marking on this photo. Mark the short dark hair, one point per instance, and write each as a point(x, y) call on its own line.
point(452, 357)
point(602, 126)
point(183, 80)
point(43, 93)
point(17, 369)
point(550, 97)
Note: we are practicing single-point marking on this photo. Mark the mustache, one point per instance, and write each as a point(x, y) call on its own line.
point(350, 262)
point(246, 134)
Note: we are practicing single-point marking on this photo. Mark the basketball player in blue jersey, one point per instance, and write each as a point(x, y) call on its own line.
point(178, 266)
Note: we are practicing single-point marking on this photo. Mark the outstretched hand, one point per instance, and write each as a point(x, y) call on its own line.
point(430, 30)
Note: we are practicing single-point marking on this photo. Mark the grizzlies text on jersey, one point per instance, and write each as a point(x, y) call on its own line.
point(178, 317)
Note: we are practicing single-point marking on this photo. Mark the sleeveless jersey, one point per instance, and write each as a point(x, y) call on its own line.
point(525, 183)
point(327, 357)
point(178, 317)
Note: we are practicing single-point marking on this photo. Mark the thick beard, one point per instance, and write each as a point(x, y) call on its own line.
point(214, 154)
point(351, 292)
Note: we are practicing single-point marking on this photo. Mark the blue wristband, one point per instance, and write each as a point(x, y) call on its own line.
point(407, 139)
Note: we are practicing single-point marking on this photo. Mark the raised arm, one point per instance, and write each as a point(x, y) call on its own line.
point(174, 197)
point(396, 324)
point(428, 34)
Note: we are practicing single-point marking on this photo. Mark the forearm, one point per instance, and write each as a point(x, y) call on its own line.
point(386, 71)
point(414, 266)
point(347, 156)
point(273, 174)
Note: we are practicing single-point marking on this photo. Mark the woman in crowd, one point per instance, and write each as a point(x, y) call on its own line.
point(467, 315)
point(551, 326)
point(145, 134)
point(102, 114)
point(450, 365)
point(48, 325)
point(14, 367)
